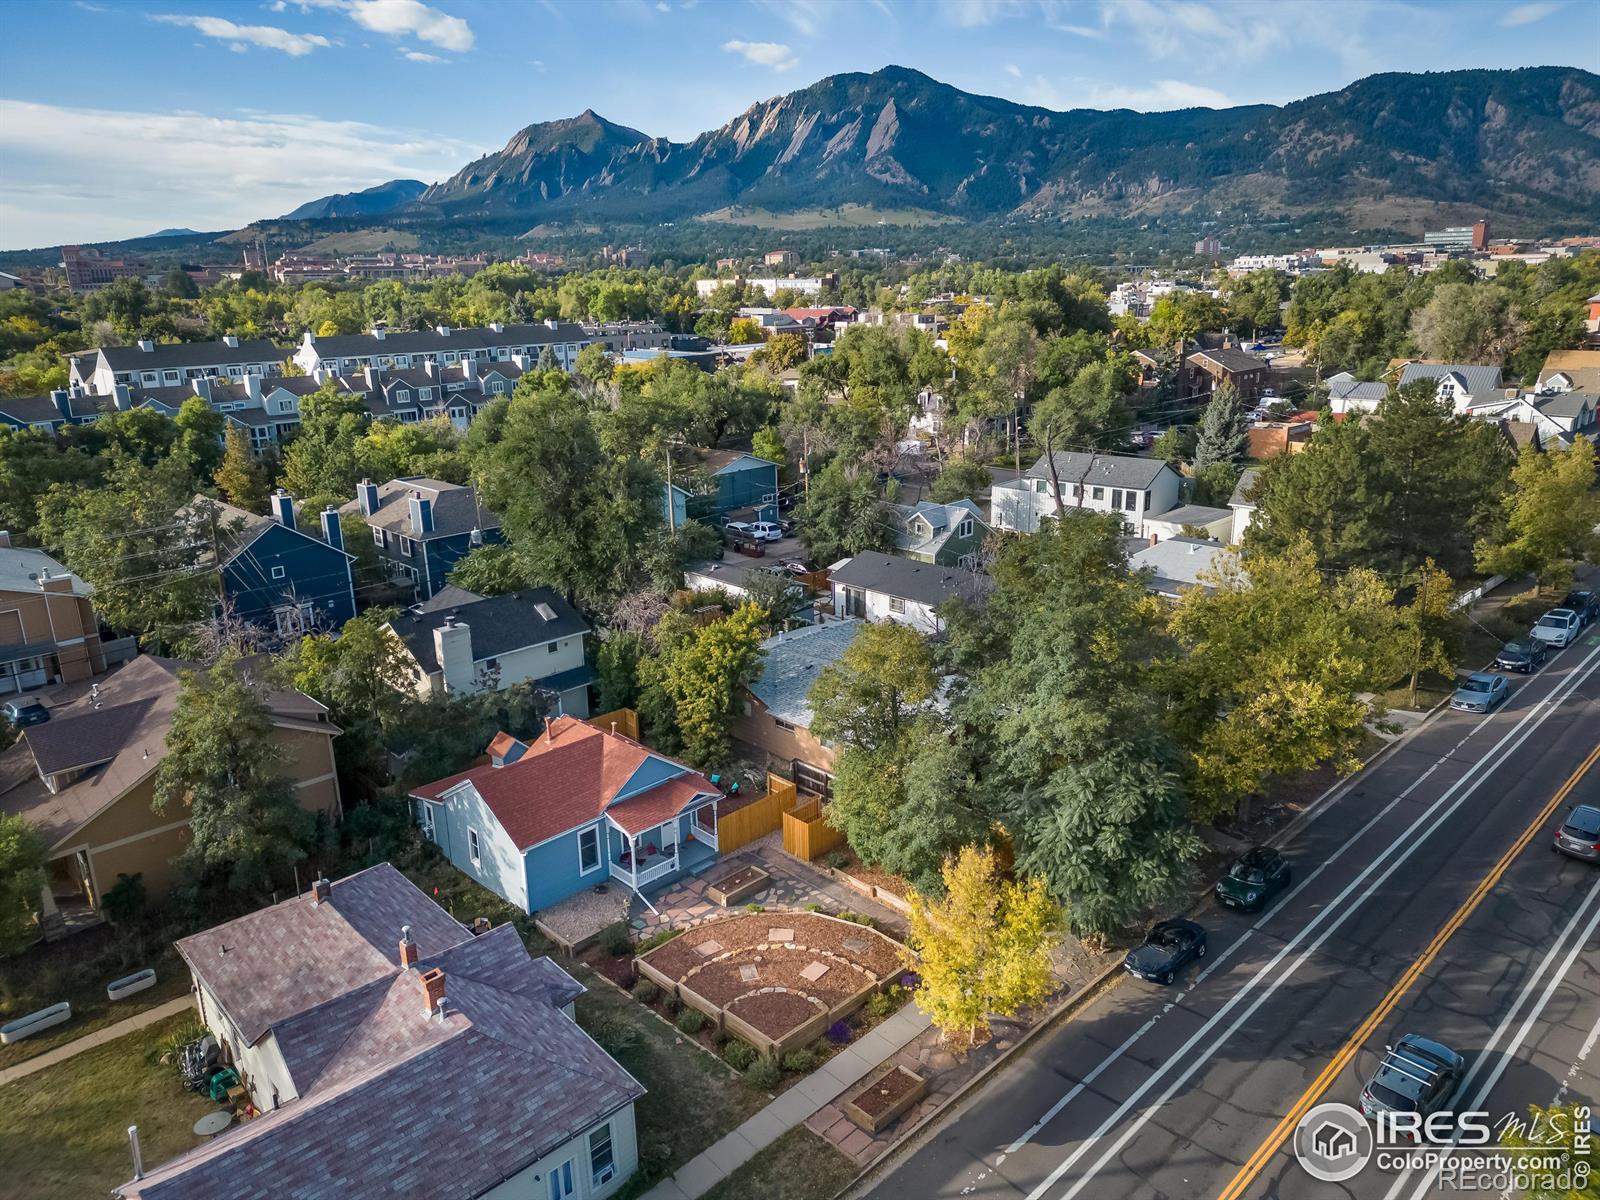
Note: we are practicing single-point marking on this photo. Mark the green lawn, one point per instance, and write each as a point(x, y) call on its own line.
point(64, 1131)
point(693, 1097)
point(798, 1166)
point(77, 969)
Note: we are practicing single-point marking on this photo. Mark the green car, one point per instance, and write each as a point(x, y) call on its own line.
point(1256, 876)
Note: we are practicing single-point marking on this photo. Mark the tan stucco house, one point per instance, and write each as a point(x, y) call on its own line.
point(48, 630)
point(86, 778)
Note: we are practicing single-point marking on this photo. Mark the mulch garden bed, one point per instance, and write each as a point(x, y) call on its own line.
point(774, 1013)
point(885, 1098)
point(740, 937)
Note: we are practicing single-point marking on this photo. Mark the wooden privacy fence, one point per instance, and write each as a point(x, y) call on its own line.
point(806, 832)
point(757, 818)
point(619, 720)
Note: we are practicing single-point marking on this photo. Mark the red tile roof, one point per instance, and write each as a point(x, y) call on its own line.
point(567, 778)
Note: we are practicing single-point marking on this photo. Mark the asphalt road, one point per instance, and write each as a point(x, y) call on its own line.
point(1426, 899)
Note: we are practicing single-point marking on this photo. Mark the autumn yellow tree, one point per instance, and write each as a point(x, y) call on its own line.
point(985, 949)
point(1551, 512)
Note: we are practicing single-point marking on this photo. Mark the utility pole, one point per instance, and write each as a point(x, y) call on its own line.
point(1422, 615)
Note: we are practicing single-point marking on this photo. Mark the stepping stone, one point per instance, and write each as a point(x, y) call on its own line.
point(780, 936)
point(814, 972)
point(637, 923)
point(854, 945)
point(749, 974)
point(707, 949)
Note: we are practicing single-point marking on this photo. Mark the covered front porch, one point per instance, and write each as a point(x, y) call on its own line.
point(683, 844)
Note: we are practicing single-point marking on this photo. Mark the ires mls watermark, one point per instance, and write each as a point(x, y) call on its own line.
point(1469, 1151)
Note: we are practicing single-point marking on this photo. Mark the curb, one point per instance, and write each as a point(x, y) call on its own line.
point(1062, 1012)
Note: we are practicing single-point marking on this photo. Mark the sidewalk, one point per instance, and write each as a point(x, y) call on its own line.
point(841, 1072)
point(98, 1038)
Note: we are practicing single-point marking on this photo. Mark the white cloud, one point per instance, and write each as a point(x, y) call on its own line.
point(164, 168)
point(663, 6)
point(402, 18)
point(537, 64)
point(764, 54)
point(971, 14)
point(807, 17)
point(419, 56)
point(1527, 14)
point(269, 37)
point(1013, 70)
point(1160, 95)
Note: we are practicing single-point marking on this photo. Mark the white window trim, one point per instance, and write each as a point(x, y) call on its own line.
point(609, 1172)
point(278, 572)
point(474, 847)
point(377, 536)
point(427, 821)
point(599, 857)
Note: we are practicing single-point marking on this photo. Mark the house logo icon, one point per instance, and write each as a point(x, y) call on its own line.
point(1333, 1142)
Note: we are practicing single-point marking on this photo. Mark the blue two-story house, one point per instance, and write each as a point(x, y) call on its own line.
point(276, 574)
point(743, 481)
point(422, 527)
point(576, 806)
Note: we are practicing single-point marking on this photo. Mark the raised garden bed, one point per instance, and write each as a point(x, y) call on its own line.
point(883, 1101)
point(738, 886)
point(35, 1022)
point(131, 985)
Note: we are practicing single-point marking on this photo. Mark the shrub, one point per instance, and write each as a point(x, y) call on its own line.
point(169, 1045)
point(616, 1036)
point(839, 1033)
point(754, 907)
point(762, 1075)
point(659, 938)
point(838, 860)
point(739, 1055)
point(615, 939)
point(646, 992)
point(813, 907)
point(125, 899)
point(691, 1021)
point(880, 1005)
point(799, 1060)
point(674, 1005)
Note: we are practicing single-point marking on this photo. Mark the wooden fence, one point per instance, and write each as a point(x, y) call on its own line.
point(619, 720)
point(756, 819)
point(806, 832)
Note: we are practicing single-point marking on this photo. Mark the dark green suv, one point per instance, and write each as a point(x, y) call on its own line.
point(1256, 876)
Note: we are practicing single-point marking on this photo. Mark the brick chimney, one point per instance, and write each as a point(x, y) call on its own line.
point(432, 991)
point(321, 889)
point(408, 948)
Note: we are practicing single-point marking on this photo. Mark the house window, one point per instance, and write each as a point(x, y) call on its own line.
point(966, 528)
point(277, 572)
point(474, 851)
point(552, 647)
point(377, 537)
point(1130, 500)
point(896, 604)
point(405, 546)
point(426, 819)
point(783, 725)
point(602, 1162)
point(1099, 493)
point(561, 1181)
point(588, 850)
point(1116, 498)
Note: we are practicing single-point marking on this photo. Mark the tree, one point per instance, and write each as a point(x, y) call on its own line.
point(224, 765)
point(489, 570)
point(767, 443)
point(962, 478)
point(696, 675)
point(617, 665)
point(182, 285)
point(1224, 432)
point(1467, 323)
point(1255, 300)
point(1079, 415)
point(867, 699)
point(783, 351)
point(391, 450)
point(1426, 623)
point(594, 365)
point(985, 949)
point(842, 514)
point(240, 475)
point(364, 677)
point(744, 332)
point(1551, 513)
point(779, 597)
point(199, 437)
point(1273, 643)
point(321, 461)
point(22, 881)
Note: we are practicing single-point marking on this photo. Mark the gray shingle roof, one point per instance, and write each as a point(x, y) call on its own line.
point(431, 341)
point(455, 508)
point(1566, 404)
point(192, 354)
point(908, 579)
point(393, 1103)
point(1177, 562)
point(1110, 470)
point(498, 624)
point(792, 664)
point(942, 519)
point(1345, 386)
point(1232, 360)
point(1191, 514)
point(1243, 489)
point(1479, 380)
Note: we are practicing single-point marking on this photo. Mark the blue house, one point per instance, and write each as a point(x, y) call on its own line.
point(275, 573)
point(743, 481)
point(575, 807)
point(423, 527)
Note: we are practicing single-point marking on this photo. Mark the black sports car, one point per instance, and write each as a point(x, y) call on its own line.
point(1167, 949)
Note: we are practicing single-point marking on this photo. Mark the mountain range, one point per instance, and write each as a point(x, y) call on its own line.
point(1392, 149)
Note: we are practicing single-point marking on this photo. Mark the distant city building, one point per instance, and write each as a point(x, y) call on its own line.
point(1208, 247)
point(1460, 237)
point(805, 286)
point(780, 258)
point(88, 270)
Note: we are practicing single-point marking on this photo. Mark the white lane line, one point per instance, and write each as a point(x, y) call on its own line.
point(1490, 1049)
point(1337, 910)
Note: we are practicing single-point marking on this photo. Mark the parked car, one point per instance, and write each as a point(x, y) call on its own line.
point(766, 531)
point(1579, 834)
point(1166, 950)
point(1256, 876)
point(795, 567)
point(23, 713)
point(1525, 654)
point(1416, 1076)
point(1558, 627)
point(1481, 692)
point(1585, 604)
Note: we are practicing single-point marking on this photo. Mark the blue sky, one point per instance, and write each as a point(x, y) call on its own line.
point(133, 115)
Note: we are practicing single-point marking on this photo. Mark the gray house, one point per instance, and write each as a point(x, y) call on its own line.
point(1128, 484)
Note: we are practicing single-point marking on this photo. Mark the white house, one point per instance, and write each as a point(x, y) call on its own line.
point(1459, 384)
point(149, 364)
point(1135, 487)
point(404, 349)
point(886, 587)
point(459, 644)
point(1243, 505)
point(389, 1047)
point(1348, 394)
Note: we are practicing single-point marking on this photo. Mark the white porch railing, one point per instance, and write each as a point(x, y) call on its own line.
point(665, 865)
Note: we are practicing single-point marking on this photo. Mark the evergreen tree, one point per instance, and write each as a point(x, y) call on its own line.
point(1224, 432)
point(241, 475)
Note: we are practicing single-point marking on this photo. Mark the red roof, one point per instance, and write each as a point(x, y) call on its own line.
point(567, 778)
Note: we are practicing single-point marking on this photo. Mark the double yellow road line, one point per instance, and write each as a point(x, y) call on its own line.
point(1275, 1140)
